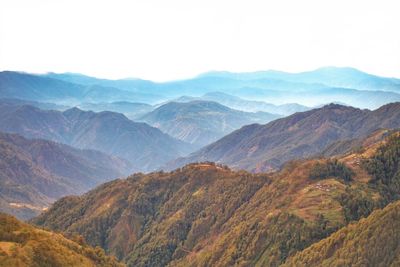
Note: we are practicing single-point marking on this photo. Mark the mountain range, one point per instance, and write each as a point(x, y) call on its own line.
point(246, 105)
point(35, 173)
point(340, 77)
point(131, 110)
point(201, 122)
point(145, 147)
point(266, 147)
point(312, 88)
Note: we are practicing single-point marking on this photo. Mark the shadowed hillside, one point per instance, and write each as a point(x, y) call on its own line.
point(145, 147)
point(34, 173)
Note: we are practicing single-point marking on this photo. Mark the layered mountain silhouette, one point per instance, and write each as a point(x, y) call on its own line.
point(344, 77)
point(312, 88)
point(265, 147)
point(45, 89)
point(131, 110)
point(145, 147)
point(246, 105)
point(34, 173)
point(201, 122)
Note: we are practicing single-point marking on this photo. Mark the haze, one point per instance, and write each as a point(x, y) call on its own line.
point(166, 40)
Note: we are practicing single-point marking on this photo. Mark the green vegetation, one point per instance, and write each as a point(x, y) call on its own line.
point(384, 168)
point(24, 245)
point(373, 241)
point(331, 168)
point(357, 203)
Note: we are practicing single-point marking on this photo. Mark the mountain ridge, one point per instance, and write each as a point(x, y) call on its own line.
point(37, 172)
point(201, 122)
point(112, 133)
point(265, 147)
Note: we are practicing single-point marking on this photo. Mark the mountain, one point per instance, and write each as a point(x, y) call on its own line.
point(129, 109)
point(147, 148)
point(376, 239)
point(41, 105)
point(24, 245)
point(34, 173)
point(45, 89)
point(201, 122)
point(324, 85)
point(208, 215)
point(344, 77)
point(264, 147)
point(238, 103)
point(309, 88)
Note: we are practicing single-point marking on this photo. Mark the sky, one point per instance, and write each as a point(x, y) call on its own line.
point(165, 40)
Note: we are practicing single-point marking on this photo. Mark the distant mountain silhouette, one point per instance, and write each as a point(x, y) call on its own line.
point(246, 105)
point(344, 77)
point(132, 110)
point(42, 88)
point(324, 85)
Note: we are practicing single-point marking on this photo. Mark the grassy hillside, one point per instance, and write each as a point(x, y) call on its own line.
point(24, 245)
point(373, 241)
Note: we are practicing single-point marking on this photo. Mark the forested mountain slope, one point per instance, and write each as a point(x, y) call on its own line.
point(24, 245)
point(208, 215)
point(373, 241)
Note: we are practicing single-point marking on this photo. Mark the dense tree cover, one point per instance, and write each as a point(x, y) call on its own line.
point(24, 245)
point(373, 241)
point(200, 215)
point(384, 168)
point(331, 168)
point(358, 203)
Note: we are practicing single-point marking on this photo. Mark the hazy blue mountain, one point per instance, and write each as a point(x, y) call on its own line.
point(201, 122)
point(35, 173)
point(330, 76)
point(321, 86)
point(264, 147)
point(247, 105)
point(46, 89)
point(113, 133)
point(312, 88)
point(130, 109)
point(41, 105)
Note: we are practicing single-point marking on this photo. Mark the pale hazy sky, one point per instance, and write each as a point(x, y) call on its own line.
point(164, 40)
